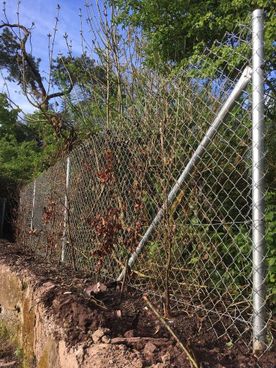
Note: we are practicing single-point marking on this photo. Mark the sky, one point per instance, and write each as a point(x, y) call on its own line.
point(43, 14)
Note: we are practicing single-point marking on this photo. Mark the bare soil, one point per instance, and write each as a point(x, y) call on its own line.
point(126, 320)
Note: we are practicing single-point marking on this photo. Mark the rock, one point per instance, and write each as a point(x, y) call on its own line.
point(149, 348)
point(109, 356)
point(118, 313)
point(129, 333)
point(7, 364)
point(166, 358)
point(106, 339)
point(98, 334)
point(79, 353)
point(97, 288)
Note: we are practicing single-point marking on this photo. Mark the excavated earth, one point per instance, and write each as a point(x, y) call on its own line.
point(60, 322)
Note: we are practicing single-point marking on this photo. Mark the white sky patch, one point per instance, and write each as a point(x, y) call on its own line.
point(13, 91)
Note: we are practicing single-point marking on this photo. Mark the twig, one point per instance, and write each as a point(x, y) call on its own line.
point(165, 324)
point(98, 302)
point(72, 248)
point(124, 278)
point(140, 274)
point(134, 340)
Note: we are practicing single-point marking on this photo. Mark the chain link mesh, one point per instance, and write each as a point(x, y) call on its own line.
point(199, 257)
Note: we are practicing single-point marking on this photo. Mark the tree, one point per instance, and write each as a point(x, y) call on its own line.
point(86, 105)
point(82, 71)
point(8, 118)
point(23, 67)
point(66, 72)
point(26, 148)
point(19, 149)
point(177, 30)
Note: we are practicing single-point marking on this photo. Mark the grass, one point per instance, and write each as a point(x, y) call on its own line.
point(8, 349)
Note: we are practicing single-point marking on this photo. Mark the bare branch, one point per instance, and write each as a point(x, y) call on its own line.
point(39, 93)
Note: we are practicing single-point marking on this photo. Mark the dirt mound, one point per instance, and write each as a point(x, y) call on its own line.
point(114, 355)
point(120, 328)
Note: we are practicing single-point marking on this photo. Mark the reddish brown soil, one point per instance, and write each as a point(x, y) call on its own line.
point(127, 316)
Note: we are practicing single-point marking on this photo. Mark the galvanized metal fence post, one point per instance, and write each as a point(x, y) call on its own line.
point(33, 206)
point(258, 228)
point(66, 211)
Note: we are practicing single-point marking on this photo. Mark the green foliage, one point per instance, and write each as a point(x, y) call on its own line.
point(165, 129)
point(8, 118)
point(17, 151)
point(26, 148)
point(81, 71)
point(270, 219)
point(179, 30)
point(48, 143)
point(4, 333)
point(93, 90)
point(12, 61)
point(270, 145)
point(18, 160)
point(8, 345)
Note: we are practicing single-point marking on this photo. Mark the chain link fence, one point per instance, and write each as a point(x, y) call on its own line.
point(167, 186)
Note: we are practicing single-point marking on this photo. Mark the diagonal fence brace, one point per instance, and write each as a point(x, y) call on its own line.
point(237, 91)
